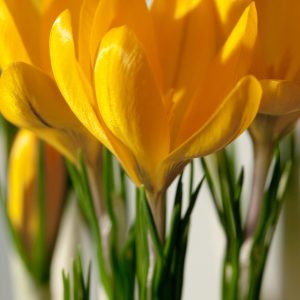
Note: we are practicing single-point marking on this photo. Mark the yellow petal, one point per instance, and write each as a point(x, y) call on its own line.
point(70, 78)
point(231, 64)
point(278, 31)
point(132, 13)
point(183, 7)
point(27, 21)
point(11, 45)
point(87, 13)
point(23, 193)
point(30, 99)
point(279, 97)
point(230, 120)
point(183, 57)
point(229, 12)
point(129, 100)
point(51, 11)
point(77, 90)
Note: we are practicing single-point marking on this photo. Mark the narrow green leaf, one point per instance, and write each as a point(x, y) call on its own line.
point(142, 250)
point(66, 283)
point(192, 203)
point(212, 189)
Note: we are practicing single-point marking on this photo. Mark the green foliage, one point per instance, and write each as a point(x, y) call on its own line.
point(165, 281)
point(226, 191)
point(116, 263)
point(77, 286)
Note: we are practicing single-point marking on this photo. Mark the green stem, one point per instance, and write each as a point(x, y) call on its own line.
point(230, 288)
point(253, 257)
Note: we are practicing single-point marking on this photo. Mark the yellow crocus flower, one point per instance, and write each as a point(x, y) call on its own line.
point(23, 180)
point(159, 87)
point(29, 96)
point(277, 65)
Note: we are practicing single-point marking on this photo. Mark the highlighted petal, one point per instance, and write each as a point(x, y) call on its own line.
point(129, 100)
point(30, 99)
point(77, 90)
point(231, 64)
point(231, 119)
point(131, 13)
point(229, 13)
point(70, 78)
point(279, 97)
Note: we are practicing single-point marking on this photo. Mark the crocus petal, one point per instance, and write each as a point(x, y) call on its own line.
point(231, 63)
point(87, 13)
point(279, 97)
point(30, 99)
point(70, 78)
point(232, 118)
point(229, 12)
point(278, 31)
point(129, 100)
point(26, 18)
point(23, 177)
point(132, 13)
point(49, 13)
point(77, 91)
point(11, 44)
point(180, 43)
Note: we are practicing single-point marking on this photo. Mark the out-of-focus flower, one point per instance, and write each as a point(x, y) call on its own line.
point(160, 86)
point(32, 212)
point(29, 97)
point(277, 65)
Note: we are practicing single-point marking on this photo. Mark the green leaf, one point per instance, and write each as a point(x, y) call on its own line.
point(142, 249)
point(80, 181)
point(212, 188)
point(66, 283)
point(81, 286)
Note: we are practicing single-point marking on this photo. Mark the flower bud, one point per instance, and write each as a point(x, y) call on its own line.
point(36, 190)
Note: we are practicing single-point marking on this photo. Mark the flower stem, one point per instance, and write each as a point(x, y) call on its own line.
point(262, 161)
point(158, 208)
point(263, 152)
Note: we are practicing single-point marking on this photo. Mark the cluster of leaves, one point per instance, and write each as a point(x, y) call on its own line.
point(116, 266)
point(161, 279)
point(226, 191)
point(166, 279)
point(76, 287)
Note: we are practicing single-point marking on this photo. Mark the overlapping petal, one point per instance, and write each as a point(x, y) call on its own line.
point(280, 97)
point(146, 87)
point(231, 118)
point(30, 99)
point(132, 13)
point(230, 64)
point(276, 64)
point(281, 50)
point(77, 90)
point(180, 40)
point(129, 100)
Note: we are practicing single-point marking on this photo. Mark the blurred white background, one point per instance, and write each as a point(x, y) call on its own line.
point(204, 258)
